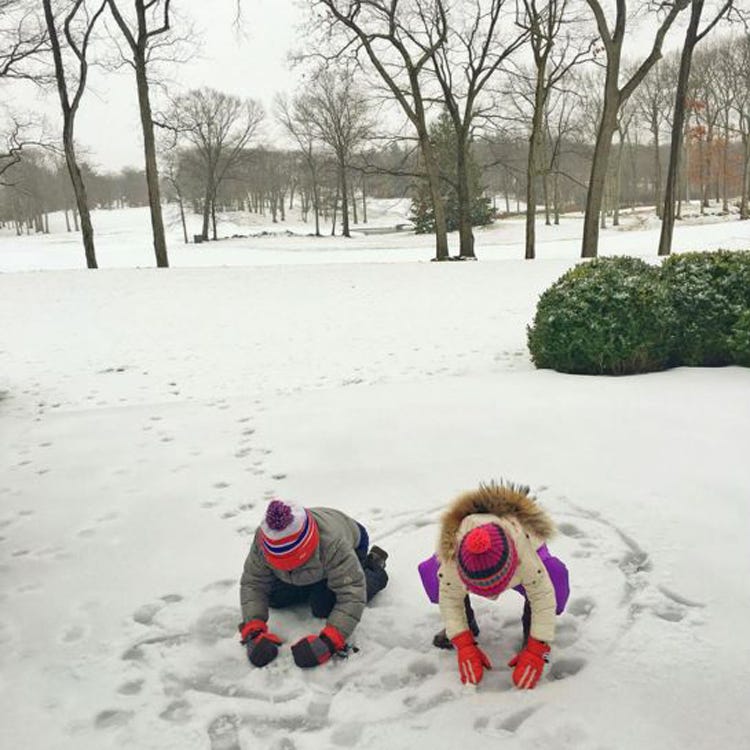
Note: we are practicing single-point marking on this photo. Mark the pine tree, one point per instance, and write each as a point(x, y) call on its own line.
point(443, 137)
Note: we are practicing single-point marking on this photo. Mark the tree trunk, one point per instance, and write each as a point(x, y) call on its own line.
point(79, 188)
point(616, 180)
point(466, 233)
point(344, 200)
point(69, 114)
point(556, 196)
point(206, 213)
point(181, 204)
point(678, 121)
point(745, 175)
point(598, 178)
point(316, 206)
point(335, 207)
point(438, 205)
point(532, 165)
point(364, 200)
point(152, 170)
point(530, 253)
point(725, 169)
point(703, 178)
point(354, 206)
point(657, 172)
point(67, 220)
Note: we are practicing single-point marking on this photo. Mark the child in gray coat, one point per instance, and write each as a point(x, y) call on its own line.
point(318, 555)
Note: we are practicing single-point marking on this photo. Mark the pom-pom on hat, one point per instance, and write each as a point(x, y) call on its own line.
point(487, 560)
point(289, 535)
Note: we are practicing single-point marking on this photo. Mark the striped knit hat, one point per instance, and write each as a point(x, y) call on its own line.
point(487, 560)
point(289, 535)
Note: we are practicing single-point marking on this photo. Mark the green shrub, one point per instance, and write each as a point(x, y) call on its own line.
point(606, 316)
point(739, 340)
point(709, 294)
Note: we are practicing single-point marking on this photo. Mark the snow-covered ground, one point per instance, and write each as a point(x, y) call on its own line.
point(146, 416)
point(123, 240)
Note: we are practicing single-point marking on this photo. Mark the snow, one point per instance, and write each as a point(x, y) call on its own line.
point(146, 416)
point(123, 240)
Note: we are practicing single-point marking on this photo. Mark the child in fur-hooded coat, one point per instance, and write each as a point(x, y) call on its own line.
point(492, 539)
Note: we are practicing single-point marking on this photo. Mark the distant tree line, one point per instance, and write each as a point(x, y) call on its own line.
point(39, 184)
point(472, 109)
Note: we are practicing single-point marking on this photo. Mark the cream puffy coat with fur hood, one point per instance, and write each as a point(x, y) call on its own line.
point(511, 507)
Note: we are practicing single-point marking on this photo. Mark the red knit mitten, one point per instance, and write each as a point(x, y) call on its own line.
point(529, 664)
point(262, 645)
point(472, 661)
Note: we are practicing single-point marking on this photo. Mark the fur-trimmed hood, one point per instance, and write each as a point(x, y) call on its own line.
point(499, 499)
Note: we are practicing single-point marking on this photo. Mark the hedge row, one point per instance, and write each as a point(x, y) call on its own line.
point(619, 316)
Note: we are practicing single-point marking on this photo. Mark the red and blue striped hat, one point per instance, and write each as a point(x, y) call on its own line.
point(487, 560)
point(289, 535)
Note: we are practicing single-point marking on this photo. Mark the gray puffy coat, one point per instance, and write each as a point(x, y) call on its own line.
point(334, 560)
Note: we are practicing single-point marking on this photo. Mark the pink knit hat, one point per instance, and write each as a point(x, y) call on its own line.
point(487, 560)
point(289, 535)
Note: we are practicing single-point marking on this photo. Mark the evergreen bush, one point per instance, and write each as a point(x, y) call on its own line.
point(605, 316)
point(739, 340)
point(710, 296)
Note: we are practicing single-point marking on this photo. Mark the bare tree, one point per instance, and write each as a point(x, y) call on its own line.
point(464, 65)
point(292, 118)
point(151, 21)
point(11, 152)
point(172, 174)
point(217, 127)
point(77, 20)
point(724, 93)
point(615, 96)
point(399, 41)
point(693, 36)
point(559, 118)
point(22, 40)
point(741, 82)
point(654, 105)
point(339, 115)
point(554, 54)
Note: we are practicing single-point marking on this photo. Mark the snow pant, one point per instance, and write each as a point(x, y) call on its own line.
point(321, 599)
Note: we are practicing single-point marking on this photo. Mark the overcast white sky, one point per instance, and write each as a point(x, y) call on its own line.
point(252, 63)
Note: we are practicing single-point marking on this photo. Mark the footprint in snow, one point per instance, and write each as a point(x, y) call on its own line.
point(222, 733)
point(513, 722)
point(132, 687)
point(112, 719)
point(595, 537)
point(177, 712)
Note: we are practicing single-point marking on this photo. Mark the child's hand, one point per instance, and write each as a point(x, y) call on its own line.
point(472, 661)
point(314, 650)
point(262, 645)
point(529, 664)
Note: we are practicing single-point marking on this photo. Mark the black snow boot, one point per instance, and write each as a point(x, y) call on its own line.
point(375, 559)
point(441, 640)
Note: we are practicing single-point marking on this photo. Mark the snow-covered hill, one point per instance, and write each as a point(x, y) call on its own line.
point(146, 416)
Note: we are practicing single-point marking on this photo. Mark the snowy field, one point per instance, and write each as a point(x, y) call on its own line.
point(146, 416)
point(123, 240)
